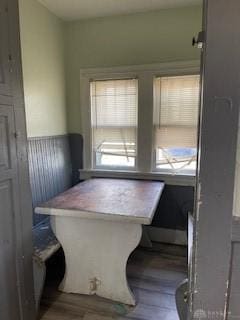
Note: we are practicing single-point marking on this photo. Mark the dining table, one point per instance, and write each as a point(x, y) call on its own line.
point(98, 223)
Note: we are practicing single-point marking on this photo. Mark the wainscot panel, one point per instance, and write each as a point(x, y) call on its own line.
point(173, 208)
point(76, 150)
point(49, 167)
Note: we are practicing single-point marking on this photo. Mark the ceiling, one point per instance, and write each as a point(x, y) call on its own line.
point(85, 9)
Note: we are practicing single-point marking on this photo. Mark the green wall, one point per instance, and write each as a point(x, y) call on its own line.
point(144, 38)
point(43, 69)
point(50, 47)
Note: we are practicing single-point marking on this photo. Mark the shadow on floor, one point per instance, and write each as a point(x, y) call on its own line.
point(153, 276)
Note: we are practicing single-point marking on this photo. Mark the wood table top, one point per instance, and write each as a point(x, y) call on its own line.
point(108, 199)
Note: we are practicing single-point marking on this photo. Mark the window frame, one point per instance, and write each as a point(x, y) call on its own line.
point(145, 158)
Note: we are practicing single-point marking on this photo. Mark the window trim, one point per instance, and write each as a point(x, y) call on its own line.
point(145, 74)
point(169, 179)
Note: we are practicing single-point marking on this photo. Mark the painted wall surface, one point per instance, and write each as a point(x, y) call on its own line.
point(43, 69)
point(173, 208)
point(145, 38)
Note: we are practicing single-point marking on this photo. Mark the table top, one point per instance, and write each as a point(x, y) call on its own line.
point(108, 199)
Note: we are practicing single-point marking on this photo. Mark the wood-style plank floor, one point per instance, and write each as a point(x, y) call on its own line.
point(153, 276)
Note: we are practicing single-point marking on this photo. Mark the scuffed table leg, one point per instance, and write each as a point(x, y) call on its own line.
point(96, 254)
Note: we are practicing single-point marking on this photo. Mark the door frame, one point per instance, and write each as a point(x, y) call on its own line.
point(24, 240)
point(218, 127)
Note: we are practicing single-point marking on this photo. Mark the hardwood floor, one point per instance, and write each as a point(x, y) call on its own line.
point(153, 276)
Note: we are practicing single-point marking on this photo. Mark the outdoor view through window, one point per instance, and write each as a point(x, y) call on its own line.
point(114, 122)
point(114, 114)
point(175, 120)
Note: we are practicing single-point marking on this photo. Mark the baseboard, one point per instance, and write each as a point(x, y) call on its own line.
point(177, 237)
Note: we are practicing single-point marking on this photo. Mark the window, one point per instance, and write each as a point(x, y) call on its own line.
point(114, 122)
point(176, 101)
point(141, 121)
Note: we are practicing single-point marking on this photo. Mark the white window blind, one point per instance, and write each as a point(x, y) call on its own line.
point(114, 122)
point(176, 103)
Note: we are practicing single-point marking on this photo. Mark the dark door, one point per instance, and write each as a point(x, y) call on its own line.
point(16, 295)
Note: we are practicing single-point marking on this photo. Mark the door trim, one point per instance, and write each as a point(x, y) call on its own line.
point(210, 270)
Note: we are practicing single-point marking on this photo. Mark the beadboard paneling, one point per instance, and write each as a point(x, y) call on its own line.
point(76, 150)
point(49, 167)
point(173, 208)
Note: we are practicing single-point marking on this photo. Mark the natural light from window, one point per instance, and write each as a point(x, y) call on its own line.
point(176, 103)
point(114, 122)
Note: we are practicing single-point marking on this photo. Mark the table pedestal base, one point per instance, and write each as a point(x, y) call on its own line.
point(96, 254)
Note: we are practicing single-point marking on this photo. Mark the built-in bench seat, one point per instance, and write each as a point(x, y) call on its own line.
point(45, 245)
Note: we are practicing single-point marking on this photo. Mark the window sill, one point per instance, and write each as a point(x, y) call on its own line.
point(168, 178)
